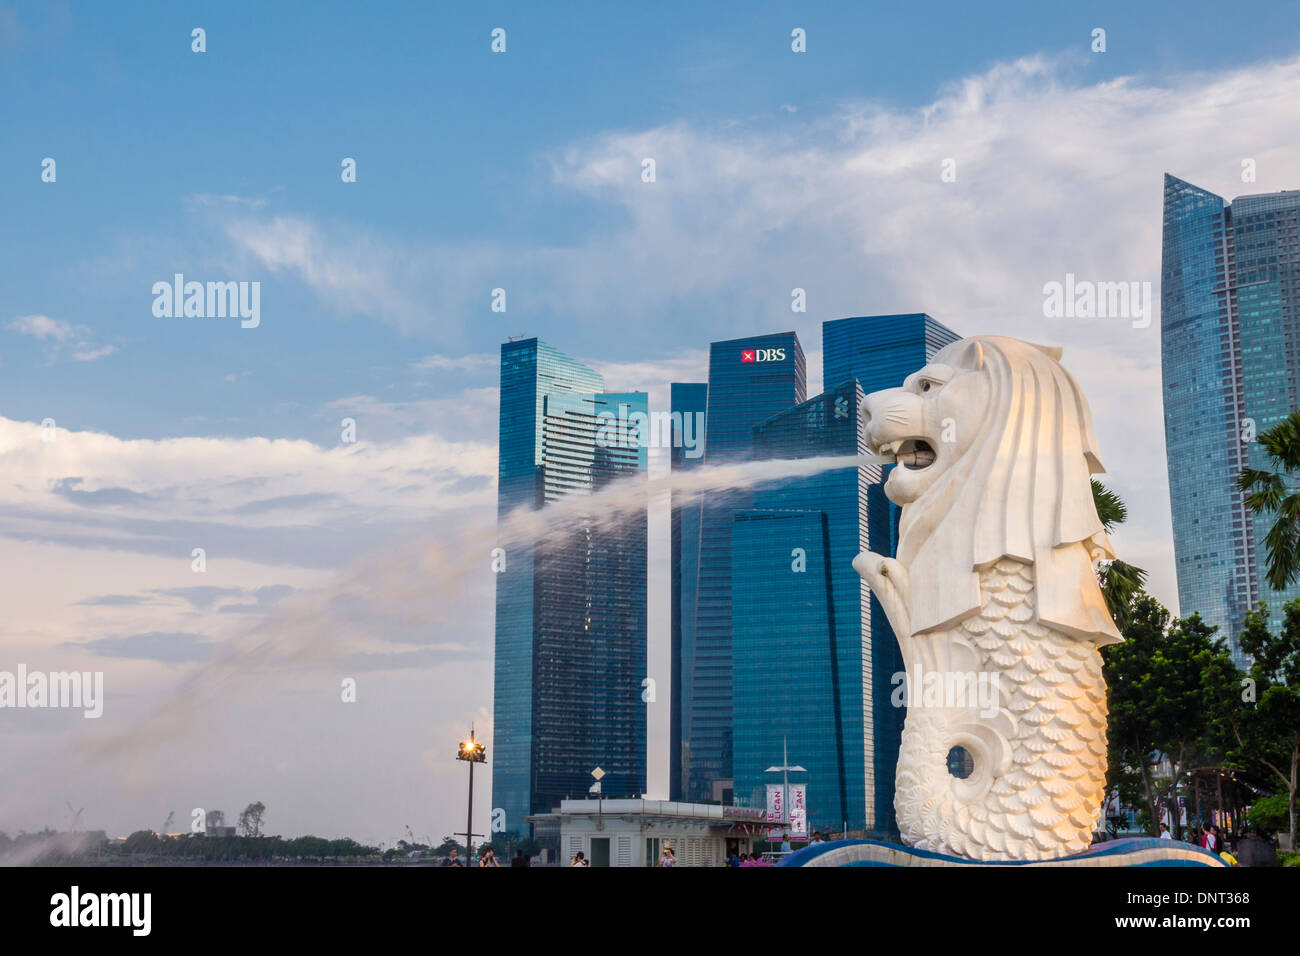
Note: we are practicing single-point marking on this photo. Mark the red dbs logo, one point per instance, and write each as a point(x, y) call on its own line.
point(747, 355)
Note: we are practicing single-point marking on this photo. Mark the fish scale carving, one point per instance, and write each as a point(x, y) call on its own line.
point(1047, 800)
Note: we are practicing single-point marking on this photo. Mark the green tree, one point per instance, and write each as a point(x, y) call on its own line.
point(1269, 493)
point(1267, 724)
point(1270, 813)
point(1170, 685)
point(449, 844)
point(250, 821)
point(1120, 581)
point(141, 841)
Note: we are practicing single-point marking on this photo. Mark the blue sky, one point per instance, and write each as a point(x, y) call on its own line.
point(452, 143)
point(521, 170)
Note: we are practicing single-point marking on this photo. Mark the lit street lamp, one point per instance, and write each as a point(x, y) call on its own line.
point(600, 797)
point(473, 752)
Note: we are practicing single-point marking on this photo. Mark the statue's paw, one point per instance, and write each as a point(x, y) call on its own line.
point(887, 580)
point(870, 565)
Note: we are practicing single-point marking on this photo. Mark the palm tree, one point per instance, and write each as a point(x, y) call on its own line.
point(1119, 580)
point(1267, 493)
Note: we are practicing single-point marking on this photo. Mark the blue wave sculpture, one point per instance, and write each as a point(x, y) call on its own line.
point(1140, 851)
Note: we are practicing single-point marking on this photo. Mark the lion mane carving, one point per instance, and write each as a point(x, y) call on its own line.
point(994, 597)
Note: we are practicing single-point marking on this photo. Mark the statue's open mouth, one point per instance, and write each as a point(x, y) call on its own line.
point(914, 454)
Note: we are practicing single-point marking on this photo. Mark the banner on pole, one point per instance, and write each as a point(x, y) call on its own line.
point(798, 817)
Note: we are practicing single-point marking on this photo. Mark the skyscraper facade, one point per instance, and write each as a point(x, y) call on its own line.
point(880, 350)
point(571, 603)
point(689, 402)
point(803, 647)
point(750, 379)
point(756, 408)
point(1230, 349)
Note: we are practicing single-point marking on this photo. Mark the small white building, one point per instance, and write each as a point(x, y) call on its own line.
point(634, 832)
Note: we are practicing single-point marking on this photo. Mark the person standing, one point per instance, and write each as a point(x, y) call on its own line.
point(579, 860)
point(488, 858)
point(1164, 832)
point(519, 858)
point(1210, 840)
point(452, 859)
point(667, 857)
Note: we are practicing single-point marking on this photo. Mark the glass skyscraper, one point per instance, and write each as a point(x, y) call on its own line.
point(732, 631)
point(689, 402)
point(802, 634)
point(813, 655)
point(1230, 344)
point(571, 605)
point(750, 380)
point(880, 350)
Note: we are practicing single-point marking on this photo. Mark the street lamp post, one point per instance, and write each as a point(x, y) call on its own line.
point(785, 770)
point(600, 797)
point(473, 752)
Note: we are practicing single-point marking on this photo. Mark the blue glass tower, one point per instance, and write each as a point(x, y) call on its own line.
point(750, 380)
point(1230, 346)
point(570, 606)
point(804, 655)
point(689, 402)
point(880, 350)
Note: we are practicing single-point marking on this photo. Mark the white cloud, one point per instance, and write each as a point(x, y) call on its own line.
point(91, 353)
point(1054, 175)
point(314, 570)
point(212, 478)
point(42, 327)
point(460, 363)
point(57, 333)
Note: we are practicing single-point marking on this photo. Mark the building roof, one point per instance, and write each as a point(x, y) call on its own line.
point(704, 812)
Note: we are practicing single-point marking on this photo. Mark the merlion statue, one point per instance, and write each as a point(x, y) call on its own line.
point(994, 582)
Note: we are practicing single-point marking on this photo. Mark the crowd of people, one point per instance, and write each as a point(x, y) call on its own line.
point(489, 858)
point(1251, 847)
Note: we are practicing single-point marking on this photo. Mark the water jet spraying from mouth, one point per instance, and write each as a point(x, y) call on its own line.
point(421, 584)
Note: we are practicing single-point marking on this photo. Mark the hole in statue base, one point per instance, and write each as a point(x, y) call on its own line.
point(960, 763)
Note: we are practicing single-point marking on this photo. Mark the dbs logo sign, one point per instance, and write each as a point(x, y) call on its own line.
point(762, 355)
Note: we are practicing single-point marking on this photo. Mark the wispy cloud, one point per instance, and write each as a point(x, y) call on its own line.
point(165, 648)
point(459, 363)
point(56, 333)
point(43, 328)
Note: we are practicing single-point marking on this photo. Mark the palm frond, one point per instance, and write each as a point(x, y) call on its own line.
point(1110, 509)
point(1268, 494)
point(1120, 583)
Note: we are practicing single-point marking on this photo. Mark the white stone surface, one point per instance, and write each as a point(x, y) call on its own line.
point(995, 601)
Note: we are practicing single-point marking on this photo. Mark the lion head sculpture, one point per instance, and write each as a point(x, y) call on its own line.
point(996, 448)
